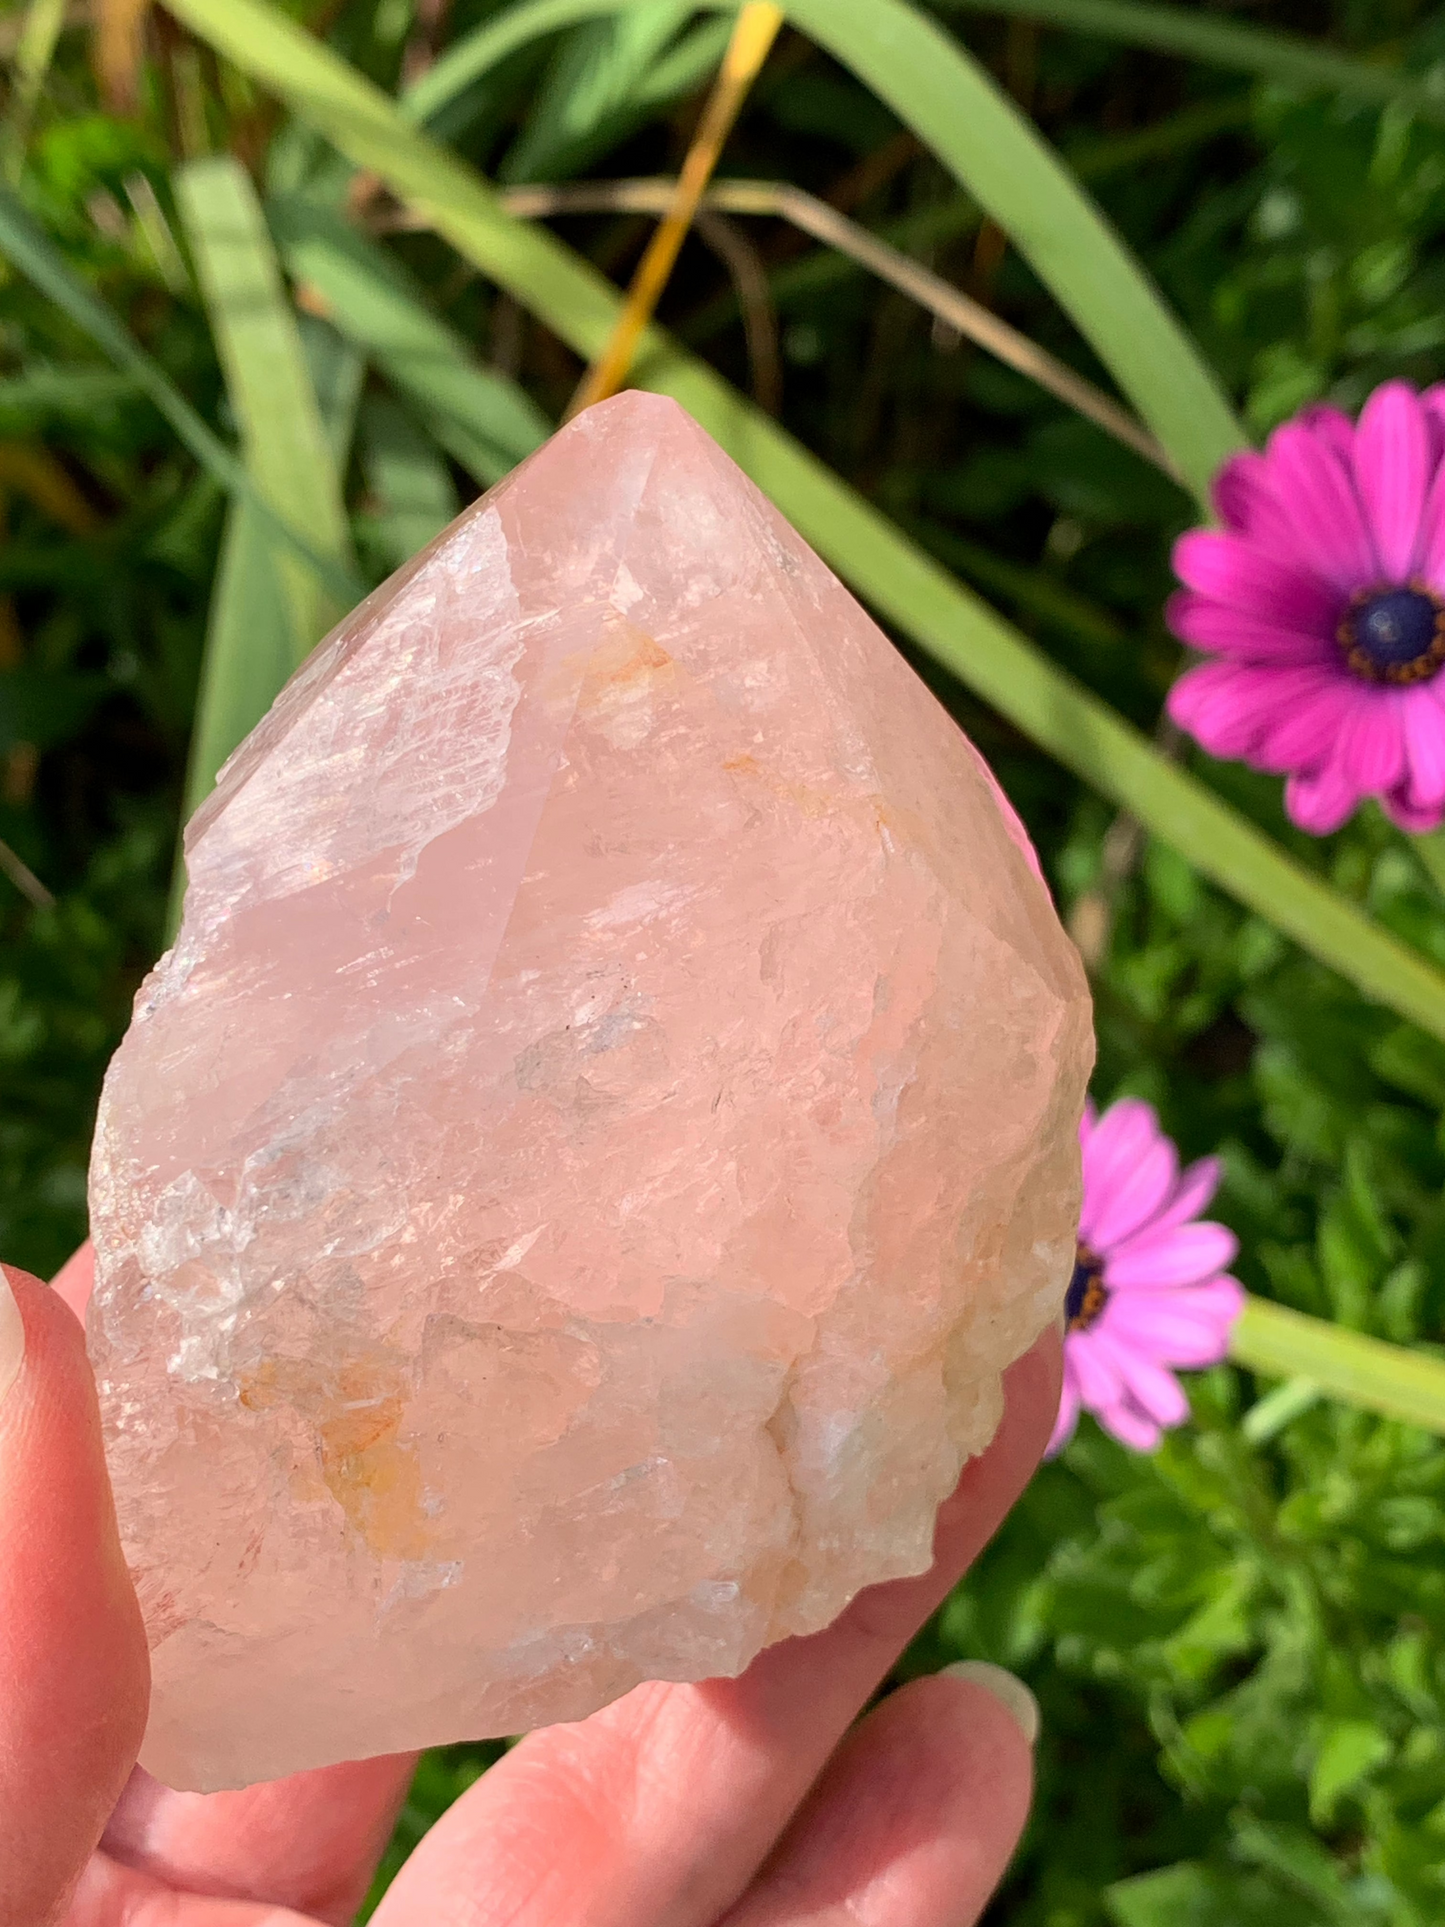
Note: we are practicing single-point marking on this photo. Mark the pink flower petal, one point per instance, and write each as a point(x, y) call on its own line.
point(1188, 1328)
point(1135, 1195)
point(1125, 1133)
point(1067, 1421)
point(1303, 735)
point(1185, 1254)
point(1198, 1183)
point(1329, 524)
point(1416, 819)
point(1392, 474)
point(1094, 1375)
point(1424, 725)
point(1320, 801)
point(1371, 745)
point(1228, 569)
point(1249, 504)
point(1228, 632)
point(1226, 706)
point(1129, 1426)
point(1157, 1393)
point(1332, 425)
point(1088, 1122)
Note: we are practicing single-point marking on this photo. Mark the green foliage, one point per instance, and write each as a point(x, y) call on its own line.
point(1237, 1643)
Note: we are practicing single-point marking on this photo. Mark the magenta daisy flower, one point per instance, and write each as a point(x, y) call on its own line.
point(1149, 1289)
point(1322, 604)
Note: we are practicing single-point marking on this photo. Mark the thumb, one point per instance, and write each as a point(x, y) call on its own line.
point(74, 1679)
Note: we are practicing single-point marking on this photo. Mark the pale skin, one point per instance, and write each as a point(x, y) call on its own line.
point(763, 1801)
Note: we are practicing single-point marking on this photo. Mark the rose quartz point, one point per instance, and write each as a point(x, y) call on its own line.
point(564, 1205)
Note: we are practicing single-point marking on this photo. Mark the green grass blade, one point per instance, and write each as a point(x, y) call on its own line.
point(1388, 1379)
point(39, 37)
point(249, 652)
point(338, 370)
point(267, 379)
point(925, 603)
point(1197, 35)
point(407, 480)
point(485, 422)
point(485, 47)
point(592, 79)
point(32, 252)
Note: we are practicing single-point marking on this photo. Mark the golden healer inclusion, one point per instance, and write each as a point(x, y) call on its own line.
point(608, 1119)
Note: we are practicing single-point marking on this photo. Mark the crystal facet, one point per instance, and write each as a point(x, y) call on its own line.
point(609, 1117)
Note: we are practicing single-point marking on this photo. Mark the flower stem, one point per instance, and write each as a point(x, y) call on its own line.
point(1366, 1372)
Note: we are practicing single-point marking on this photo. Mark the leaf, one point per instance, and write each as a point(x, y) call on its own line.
point(485, 422)
point(942, 617)
point(32, 251)
point(1191, 1895)
point(267, 379)
point(1349, 1751)
point(1223, 43)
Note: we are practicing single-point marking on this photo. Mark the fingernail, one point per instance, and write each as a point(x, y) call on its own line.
point(12, 1337)
point(1011, 1693)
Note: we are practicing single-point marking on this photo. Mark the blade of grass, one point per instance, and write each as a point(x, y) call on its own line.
point(589, 85)
point(38, 40)
point(1388, 1379)
point(902, 583)
point(408, 479)
point(267, 380)
point(31, 251)
point(485, 422)
point(1198, 35)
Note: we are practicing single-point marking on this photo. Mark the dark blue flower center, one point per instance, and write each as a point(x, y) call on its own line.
point(1394, 635)
point(1087, 1293)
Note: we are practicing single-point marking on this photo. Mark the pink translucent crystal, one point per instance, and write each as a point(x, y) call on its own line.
point(609, 1117)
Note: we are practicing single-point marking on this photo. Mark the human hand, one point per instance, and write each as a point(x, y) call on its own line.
point(754, 1802)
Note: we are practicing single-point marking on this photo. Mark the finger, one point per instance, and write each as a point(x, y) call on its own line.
point(670, 1799)
point(310, 1842)
point(75, 1280)
point(912, 1823)
point(110, 1895)
point(74, 1680)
